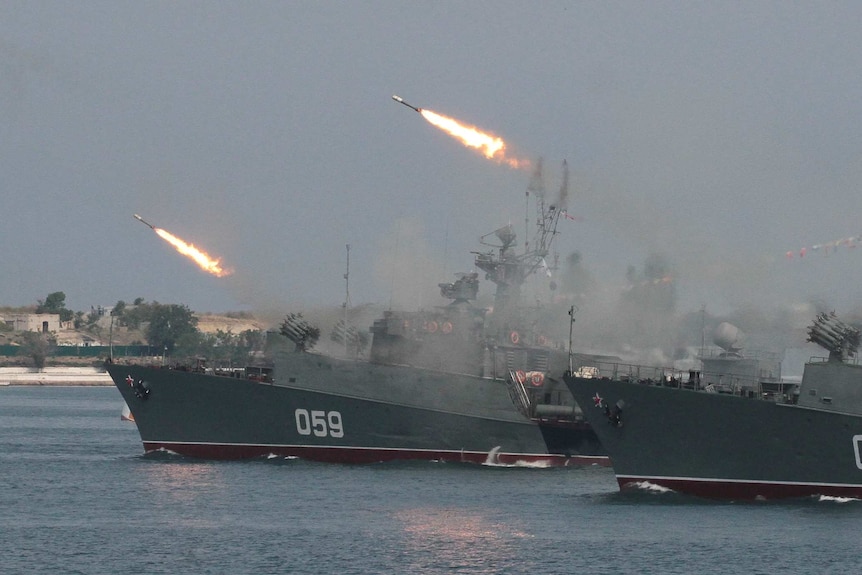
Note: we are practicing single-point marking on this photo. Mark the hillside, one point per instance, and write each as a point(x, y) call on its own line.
point(103, 333)
point(211, 323)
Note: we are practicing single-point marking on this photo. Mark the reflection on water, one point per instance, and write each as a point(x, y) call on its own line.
point(182, 481)
point(459, 539)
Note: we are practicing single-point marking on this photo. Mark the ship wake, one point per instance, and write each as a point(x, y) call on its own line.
point(162, 453)
point(270, 456)
point(647, 487)
point(493, 460)
point(834, 499)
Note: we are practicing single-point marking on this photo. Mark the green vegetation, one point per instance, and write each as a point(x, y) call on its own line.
point(170, 324)
point(37, 346)
point(222, 347)
point(55, 303)
point(171, 329)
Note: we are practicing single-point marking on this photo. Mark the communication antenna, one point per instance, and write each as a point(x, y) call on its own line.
point(572, 311)
point(346, 302)
point(347, 281)
point(702, 332)
point(537, 186)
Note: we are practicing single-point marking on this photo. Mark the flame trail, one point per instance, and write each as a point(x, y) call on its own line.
point(491, 146)
point(200, 257)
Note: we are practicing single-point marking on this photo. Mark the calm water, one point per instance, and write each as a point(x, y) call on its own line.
point(77, 496)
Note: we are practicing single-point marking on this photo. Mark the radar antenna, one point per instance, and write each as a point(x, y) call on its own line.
point(506, 268)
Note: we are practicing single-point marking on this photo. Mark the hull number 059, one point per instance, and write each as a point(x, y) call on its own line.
point(319, 423)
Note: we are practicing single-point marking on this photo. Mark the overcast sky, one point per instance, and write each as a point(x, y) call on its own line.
point(720, 135)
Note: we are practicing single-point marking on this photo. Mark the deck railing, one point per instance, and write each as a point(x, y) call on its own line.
point(729, 383)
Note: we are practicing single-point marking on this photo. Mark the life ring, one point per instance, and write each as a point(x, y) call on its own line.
point(431, 326)
point(537, 378)
point(521, 376)
point(514, 337)
point(447, 327)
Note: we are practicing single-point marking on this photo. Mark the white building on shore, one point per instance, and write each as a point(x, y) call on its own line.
point(38, 322)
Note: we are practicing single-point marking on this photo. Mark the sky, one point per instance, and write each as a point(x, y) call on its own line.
point(718, 135)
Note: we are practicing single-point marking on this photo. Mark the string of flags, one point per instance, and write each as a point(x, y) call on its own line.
point(826, 248)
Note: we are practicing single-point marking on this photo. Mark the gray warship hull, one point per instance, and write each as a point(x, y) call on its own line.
point(731, 446)
point(335, 410)
point(454, 382)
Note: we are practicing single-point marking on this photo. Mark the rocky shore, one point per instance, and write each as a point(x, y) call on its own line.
point(90, 376)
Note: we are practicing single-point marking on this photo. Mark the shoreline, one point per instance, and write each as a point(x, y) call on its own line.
point(55, 376)
point(55, 384)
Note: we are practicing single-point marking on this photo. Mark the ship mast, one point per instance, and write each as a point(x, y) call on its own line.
point(344, 332)
point(346, 303)
point(537, 186)
point(509, 270)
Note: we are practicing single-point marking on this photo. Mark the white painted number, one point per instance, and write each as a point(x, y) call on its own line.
point(335, 429)
point(856, 440)
point(318, 423)
point(303, 427)
point(321, 423)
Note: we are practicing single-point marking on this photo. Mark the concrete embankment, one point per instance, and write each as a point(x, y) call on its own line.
point(54, 376)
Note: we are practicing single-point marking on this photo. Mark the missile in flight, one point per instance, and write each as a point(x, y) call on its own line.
point(140, 219)
point(400, 100)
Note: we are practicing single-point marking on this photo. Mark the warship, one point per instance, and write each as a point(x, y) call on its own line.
point(458, 382)
point(734, 435)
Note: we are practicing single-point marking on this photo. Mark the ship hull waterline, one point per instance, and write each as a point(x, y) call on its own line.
point(214, 417)
point(722, 446)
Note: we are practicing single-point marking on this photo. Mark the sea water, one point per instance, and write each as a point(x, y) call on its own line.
point(77, 495)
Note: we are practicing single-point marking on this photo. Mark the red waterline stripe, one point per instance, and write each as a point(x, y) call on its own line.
point(364, 454)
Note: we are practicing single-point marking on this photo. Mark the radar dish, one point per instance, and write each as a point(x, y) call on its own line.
point(728, 337)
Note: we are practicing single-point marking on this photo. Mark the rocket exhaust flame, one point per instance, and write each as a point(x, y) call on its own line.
point(491, 146)
point(200, 257)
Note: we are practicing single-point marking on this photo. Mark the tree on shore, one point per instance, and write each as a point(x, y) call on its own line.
point(169, 324)
point(167, 327)
point(55, 303)
point(37, 346)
